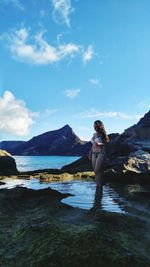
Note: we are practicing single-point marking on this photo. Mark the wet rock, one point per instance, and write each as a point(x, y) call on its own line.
point(38, 230)
point(138, 161)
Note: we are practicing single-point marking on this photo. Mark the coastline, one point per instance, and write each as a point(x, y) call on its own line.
point(50, 175)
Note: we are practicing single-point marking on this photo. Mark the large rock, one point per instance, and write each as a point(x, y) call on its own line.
point(138, 162)
point(80, 165)
point(126, 154)
point(7, 164)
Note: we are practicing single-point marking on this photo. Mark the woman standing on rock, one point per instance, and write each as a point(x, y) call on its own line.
point(97, 153)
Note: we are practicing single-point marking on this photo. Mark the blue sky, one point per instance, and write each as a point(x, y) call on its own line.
point(73, 62)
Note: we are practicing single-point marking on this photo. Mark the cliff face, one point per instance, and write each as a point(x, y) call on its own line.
point(58, 142)
point(136, 137)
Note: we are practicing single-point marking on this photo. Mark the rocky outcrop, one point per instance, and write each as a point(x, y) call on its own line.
point(138, 162)
point(7, 164)
point(136, 137)
point(127, 154)
point(58, 142)
point(80, 165)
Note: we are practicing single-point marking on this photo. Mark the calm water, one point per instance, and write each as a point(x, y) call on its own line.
point(30, 163)
point(85, 194)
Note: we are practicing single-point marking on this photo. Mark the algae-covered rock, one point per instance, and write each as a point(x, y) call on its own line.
point(38, 230)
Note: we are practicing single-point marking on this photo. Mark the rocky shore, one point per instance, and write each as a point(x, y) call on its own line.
point(127, 158)
point(37, 230)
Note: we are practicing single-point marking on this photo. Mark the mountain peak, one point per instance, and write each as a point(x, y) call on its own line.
point(66, 127)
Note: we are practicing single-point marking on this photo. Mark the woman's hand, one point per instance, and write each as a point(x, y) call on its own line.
point(97, 144)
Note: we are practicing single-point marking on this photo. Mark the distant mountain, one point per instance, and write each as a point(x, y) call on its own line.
point(58, 142)
point(10, 145)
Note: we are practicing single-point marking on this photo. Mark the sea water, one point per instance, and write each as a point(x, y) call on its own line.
point(30, 163)
point(85, 194)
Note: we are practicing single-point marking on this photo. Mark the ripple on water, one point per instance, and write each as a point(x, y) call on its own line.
point(85, 193)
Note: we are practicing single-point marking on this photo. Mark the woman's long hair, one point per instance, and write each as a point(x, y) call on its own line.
point(101, 130)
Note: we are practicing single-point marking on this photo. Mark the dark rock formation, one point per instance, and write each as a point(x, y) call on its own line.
point(137, 137)
point(80, 165)
point(38, 230)
point(127, 153)
point(7, 164)
point(58, 142)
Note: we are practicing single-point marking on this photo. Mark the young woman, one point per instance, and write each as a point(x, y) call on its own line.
point(97, 153)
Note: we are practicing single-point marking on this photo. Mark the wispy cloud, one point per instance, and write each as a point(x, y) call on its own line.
point(88, 54)
point(15, 3)
point(15, 117)
point(144, 104)
point(35, 49)
point(93, 113)
point(72, 92)
point(62, 10)
point(96, 82)
point(49, 112)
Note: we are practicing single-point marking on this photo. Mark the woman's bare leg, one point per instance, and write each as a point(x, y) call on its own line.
point(93, 165)
point(99, 169)
point(93, 161)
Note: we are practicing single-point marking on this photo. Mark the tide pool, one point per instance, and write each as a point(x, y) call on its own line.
point(85, 194)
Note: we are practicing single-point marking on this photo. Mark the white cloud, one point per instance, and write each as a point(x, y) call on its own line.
point(15, 3)
point(15, 117)
point(36, 50)
point(93, 113)
point(62, 11)
point(96, 82)
point(88, 54)
point(72, 93)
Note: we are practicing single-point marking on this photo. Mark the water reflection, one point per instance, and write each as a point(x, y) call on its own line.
point(97, 202)
point(85, 194)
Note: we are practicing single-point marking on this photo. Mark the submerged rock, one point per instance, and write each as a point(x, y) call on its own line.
point(38, 230)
